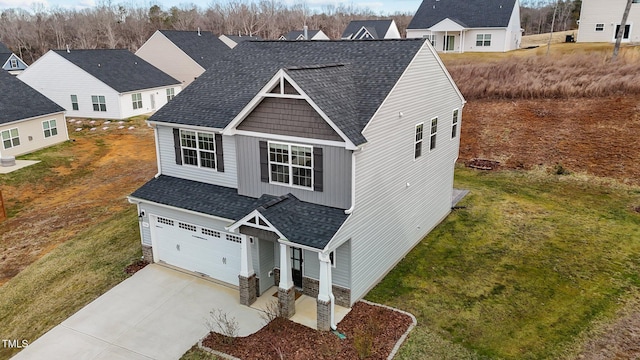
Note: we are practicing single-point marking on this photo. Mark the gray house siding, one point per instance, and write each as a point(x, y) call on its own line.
point(7, 65)
point(336, 175)
point(340, 274)
point(228, 178)
point(292, 117)
point(399, 199)
point(266, 254)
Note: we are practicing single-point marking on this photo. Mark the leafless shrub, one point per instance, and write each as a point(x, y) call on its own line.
point(220, 322)
point(270, 312)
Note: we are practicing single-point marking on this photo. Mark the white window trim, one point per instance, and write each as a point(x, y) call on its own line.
point(50, 127)
point(171, 93)
point(136, 101)
point(197, 149)
point(99, 103)
point(13, 63)
point(456, 124)
point(601, 29)
point(484, 39)
point(415, 142)
point(10, 138)
point(76, 102)
point(290, 166)
point(432, 134)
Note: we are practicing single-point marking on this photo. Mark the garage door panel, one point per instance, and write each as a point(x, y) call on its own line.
point(194, 248)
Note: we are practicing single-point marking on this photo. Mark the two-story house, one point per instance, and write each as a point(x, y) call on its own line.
point(600, 21)
point(308, 166)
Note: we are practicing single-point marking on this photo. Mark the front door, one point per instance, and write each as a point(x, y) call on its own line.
point(153, 102)
point(296, 266)
point(449, 42)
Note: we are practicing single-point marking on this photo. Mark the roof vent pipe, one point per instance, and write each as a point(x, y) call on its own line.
point(306, 32)
point(68, 51)
point(199, 31)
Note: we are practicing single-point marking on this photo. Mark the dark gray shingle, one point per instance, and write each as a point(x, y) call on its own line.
point(218, 95)
point(242, 38)
point(119, 69)
point(293, 35)
point(469, 13)
point(203, 47)
point(377, 28)
point(4, 49)
point(20, 101)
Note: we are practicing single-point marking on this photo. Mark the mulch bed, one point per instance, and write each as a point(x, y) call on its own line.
point(371, 331)
point(135, 267)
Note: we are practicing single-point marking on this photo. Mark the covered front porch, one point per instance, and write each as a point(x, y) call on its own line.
point(448, 36)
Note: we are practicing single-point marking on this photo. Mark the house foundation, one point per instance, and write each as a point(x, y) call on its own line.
point(248, 289)
point(147, 254)
point(324, 315)
point(287, 302)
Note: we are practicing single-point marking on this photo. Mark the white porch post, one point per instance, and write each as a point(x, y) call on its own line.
point(461, 41)
point(325, 302)
point(446, 41)
point(286, 280)
point(324, 288)
point(246, 259)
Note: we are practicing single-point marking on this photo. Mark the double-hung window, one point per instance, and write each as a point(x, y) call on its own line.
point(171, 93)
point(10, 138)
point(74, 102)
point(454, 124)
point(291, 164)
point(434, 132)
point(417, 152)
point(483, 40)
point(431, 38)
point(99, 103)
point(50, 128)
point(137, 101)
point(198, 148)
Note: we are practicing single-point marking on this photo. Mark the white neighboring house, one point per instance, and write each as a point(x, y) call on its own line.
point(371, 30)
point(233, 40)
point(28, 120)
point(468, 25)
point(105, 84)
point(299, 35)
point(600, 21)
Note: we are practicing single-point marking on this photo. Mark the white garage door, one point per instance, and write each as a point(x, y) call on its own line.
point(195, 248)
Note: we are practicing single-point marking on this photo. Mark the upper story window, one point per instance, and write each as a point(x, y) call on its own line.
point(483, 40)
point(10, 138)
point(434, 132)
point(13, 63)
point(50, 128)
point(454, 124)
point(136, 99)
point(198, 148)
point(74, 102)
point(171, 93)
point(291, 164)
point(418, 141)
point(99, 103)
point(599, 27)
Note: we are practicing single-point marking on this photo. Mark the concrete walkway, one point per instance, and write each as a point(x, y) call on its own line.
point(158, 313)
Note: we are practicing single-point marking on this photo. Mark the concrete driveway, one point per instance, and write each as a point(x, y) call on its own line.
point(158, 313)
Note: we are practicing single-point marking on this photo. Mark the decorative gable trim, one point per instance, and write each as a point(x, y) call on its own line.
point(255, 220)
point(363, 33)
point(279, 79)
point(20, 62)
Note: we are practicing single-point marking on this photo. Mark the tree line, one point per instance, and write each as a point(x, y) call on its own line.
point(107, 25)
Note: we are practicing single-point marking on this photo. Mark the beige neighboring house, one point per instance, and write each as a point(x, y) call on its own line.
point(184, 55)
point(233, 40)
point(28, 120)
point(600, 21)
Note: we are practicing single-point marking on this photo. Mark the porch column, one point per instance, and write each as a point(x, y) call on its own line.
point(325, 294)
point(461, 41)
point(286, 291)
point(446, 41)
point(247, 278)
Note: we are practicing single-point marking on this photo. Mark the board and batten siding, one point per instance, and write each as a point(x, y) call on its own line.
point(228, 178)
point(336, 174)
point(399, 199)
point(166, 56)
point(340, 275)
point(609, 13)
point(31, 134)
point(152, 209)
point(58, 79)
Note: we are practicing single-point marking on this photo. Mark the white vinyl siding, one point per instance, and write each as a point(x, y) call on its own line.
point(599, 20)
point(340, 274)
point(49, 128)
point(419, 192)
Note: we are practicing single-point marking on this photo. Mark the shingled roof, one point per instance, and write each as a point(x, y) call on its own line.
point(377, 28)
point(4, 49)
point(119, 69)
point(295, 34)
point(301, 222)
point(218, 95)
point(202, 46)
point(242, 38)
point(468, 13)
point(20, 101)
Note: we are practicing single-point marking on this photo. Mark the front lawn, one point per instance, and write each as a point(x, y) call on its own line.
point(529, 264)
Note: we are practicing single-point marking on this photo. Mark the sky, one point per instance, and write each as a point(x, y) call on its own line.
point(382, 7)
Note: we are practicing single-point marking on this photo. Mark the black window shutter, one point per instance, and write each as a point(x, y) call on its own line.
point(317, 169)
point(219, 153)
point(264, 162)
point(176, 146)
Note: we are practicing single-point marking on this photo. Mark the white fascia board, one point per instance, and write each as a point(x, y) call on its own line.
point(264, 92)
point(135, 200)
point(285, 241)
point(183, 126)
point(34, 117)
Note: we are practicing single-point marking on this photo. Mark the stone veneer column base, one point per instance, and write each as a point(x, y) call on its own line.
point(247, 289)
point(147, 253)
point(287, 302)
point(324, 315)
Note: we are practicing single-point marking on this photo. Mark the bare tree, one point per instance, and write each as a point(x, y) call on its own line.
point(621, 30)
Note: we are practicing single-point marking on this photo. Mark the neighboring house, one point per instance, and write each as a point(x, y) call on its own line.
point(468, 25)
point(314, 165)
point(371, 29)
point(184, 55)
point(300, 35)
point(600, 21)
point(106, 84)
point(28, 120)
point(10, 61)
point(233, 40)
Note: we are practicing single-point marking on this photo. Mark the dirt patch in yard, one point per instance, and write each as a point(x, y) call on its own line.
point(106, 166)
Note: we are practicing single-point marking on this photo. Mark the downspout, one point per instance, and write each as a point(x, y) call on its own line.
point(334, 327)
point(353, 182)
point(155, 135)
